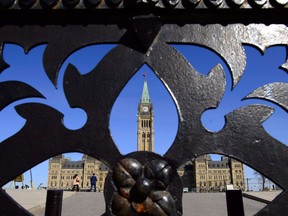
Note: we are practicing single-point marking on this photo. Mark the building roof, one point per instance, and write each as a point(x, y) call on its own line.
point(218, 164)
point(67, 164)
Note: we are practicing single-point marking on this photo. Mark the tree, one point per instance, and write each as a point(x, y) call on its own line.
point(261, 179)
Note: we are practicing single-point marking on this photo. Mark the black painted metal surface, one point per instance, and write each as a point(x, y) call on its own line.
point(54, 201)
point(234, 201)
point(144, 34)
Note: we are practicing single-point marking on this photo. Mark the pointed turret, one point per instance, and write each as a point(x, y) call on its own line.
point(145, 93)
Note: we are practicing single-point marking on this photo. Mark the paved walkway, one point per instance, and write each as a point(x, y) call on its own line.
point(268, 196)
point(32, 200)
point(91, 204)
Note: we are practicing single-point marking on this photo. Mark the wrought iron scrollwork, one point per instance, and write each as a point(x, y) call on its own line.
point(141, 181)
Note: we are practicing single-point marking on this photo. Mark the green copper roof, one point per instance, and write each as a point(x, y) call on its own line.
point(145, 93)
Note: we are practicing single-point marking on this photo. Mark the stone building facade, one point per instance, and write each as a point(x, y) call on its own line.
point(206, 175)
point(62, 170)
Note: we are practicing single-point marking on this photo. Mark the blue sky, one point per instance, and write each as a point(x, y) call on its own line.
point(260, 70)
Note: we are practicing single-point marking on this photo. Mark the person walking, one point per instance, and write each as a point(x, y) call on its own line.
point(76, 182)
point(93, 181)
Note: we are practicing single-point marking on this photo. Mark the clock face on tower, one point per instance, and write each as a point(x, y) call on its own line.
point(145, 109)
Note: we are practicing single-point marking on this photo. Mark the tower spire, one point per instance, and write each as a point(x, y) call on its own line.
point(145, 93)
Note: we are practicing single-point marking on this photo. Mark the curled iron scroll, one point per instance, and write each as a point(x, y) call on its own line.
point(186, 85)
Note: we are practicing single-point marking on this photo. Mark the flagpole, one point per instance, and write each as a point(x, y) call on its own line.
point(31, 179)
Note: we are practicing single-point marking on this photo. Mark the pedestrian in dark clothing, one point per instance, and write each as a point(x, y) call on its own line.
point(93, 181)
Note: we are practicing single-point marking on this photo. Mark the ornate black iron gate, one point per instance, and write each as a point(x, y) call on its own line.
point(144, 183)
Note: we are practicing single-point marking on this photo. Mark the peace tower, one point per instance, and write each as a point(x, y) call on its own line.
point(145, 132)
